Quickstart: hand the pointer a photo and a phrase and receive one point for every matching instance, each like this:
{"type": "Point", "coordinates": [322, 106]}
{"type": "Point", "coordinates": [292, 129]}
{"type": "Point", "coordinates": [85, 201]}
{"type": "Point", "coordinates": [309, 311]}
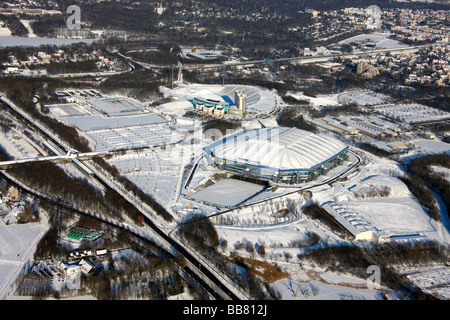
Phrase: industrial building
{"type": "Point", "coordinates": [359, 227]}
{"type": "Point", "coordinates": [280, 155]}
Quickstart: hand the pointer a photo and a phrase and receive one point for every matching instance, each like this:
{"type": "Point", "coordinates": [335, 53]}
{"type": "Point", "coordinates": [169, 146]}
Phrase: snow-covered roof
{"type": "Point", "coordinates": [277, 148]}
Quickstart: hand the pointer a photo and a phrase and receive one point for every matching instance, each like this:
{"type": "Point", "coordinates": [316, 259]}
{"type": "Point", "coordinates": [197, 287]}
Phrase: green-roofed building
{"type": "Point", "coordinates": [82, 233]}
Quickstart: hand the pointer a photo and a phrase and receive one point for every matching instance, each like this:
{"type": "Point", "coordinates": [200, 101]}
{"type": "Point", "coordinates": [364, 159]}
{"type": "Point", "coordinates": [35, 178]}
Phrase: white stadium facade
{"type": "Point", "coordinates": [280, 155]}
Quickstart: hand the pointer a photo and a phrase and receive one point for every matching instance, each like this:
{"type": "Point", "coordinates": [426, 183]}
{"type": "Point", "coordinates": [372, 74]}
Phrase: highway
{"type": "Point", "coordinates": [217, 282]}
{"type": "Point", "coordinates": [58, 158]}
{"type": "Point", "coordinates": [306, 59]}
{"type": "Point", "coordinates": [117, 227]}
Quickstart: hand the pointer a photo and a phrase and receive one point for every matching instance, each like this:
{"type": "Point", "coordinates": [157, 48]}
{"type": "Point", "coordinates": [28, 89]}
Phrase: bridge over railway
{"type": "Point", "coordinates": [72, 155]}
{"type": "Point", "coordinates": [218, 283]}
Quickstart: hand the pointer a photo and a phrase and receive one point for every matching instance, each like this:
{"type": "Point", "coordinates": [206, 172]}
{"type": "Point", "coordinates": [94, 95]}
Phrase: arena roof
{"type": "Point", "coordinates": [280, 148]}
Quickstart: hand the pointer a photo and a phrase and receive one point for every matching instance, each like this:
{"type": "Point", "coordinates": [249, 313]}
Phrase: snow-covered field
{"type": "Point", "coordinates": [17, 245]}
{"type": "Point", "coordinates": [394, 216]}
{"type": "Point", "coordinates": [5, 32]}
{"type": "Point", "coordinates": [431, 146]}
{"type": "Point", "coordinates": [362, 98]}
{"type": "Point", "coordinates": [177, 108]}
{"type": "Point", "coordinates": [426, 147]}
{"type": "Point", "coordinates": [318, 284]}
{"type": "Point", "coordinates": [317, 101]}
{"type": "Point", "coordinates": [433, 279]}
{"type": "Point", "coordinates": [157, 173]}
{"type": "Point", "coordinates": [67, 110]}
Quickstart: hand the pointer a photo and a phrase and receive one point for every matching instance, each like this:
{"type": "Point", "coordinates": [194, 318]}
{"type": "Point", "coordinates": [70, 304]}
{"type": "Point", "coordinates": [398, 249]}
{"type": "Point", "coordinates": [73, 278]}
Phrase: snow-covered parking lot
{"type": "Point", "coordinates": [227, 192]}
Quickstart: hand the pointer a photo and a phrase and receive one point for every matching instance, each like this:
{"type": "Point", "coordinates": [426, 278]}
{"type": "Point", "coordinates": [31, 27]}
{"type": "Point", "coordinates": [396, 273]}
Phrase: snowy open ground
{"type": "Point", "coordinates": [425, 147]}
{"type": "Point", "coordinates": [5, 32]}
{"type": "Point", "coordinates": [63, 110]}
{"type": "Point", "coordinates": [157, 172]}
{"type": "Point", "coordinates": [431, 146]}
{"type": "Point", "coordinates": [430, 279]}
{"type": "Point", "coordinates": [318, 100]}
{"type": "Point", "coordinates": [364, 98]}
{"type": "Point", "coordinates": [227, 192]}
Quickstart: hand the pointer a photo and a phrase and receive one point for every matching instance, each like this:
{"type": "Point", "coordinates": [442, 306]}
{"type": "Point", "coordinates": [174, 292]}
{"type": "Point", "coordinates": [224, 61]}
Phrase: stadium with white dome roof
{"type": "Point", "coordinates": [280, 155]}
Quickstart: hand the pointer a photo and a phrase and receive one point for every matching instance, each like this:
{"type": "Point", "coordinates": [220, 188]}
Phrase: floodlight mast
{"type": "Point", "coordinates": [172, 75]}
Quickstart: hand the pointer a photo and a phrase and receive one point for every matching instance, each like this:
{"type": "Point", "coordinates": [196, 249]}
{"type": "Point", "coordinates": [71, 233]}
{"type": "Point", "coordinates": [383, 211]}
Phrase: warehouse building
{"type": "Point", "coordinates": [281, 155]}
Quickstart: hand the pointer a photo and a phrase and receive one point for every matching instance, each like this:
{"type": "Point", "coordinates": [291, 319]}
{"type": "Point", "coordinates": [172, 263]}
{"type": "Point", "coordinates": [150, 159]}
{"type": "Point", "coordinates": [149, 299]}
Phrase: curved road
{"type": "Point", "coordinates": [201, 269]}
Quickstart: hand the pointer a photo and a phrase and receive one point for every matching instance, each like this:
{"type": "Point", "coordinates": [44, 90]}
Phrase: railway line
{"type": "Point", "coordinates": [196, 264]}
{"type": "Point", "coordinates": [214, 280]}
{"type": "Point", "coordinates": [144, 242]}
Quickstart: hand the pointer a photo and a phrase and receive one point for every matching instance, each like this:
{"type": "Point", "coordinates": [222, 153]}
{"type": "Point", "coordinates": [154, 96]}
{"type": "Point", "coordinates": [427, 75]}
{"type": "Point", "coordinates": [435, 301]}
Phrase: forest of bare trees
{"type": "Point", "coordinates": [21, 91]}
{"type": "Point", "coordinates": [289, 117]}
{"type": "Point", "coordinates": [356, 260]}
{"type": "Point", "coordinates": [423, 182]}
{"type": "Point", "coordinates": [201, 234]}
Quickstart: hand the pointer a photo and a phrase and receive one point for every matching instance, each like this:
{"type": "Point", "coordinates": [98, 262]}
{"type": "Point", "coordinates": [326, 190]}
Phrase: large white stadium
{"type": "Point", "coordinates": [279, 155]}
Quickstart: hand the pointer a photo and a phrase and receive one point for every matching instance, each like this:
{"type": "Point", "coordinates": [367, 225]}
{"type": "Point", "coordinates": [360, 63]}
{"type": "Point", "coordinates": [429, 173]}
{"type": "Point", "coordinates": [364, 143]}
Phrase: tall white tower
{"type": "Point", "coordinates": [240, 100]}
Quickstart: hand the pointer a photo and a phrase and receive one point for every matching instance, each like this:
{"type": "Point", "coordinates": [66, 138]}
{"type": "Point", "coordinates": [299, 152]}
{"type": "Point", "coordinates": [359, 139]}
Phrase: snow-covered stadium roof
{"type": "Point", "coordinates": [277, 148]}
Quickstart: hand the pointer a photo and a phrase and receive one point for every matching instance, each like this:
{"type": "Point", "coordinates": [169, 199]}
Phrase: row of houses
{"type": "Point", "coordinates": [78, 263]}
